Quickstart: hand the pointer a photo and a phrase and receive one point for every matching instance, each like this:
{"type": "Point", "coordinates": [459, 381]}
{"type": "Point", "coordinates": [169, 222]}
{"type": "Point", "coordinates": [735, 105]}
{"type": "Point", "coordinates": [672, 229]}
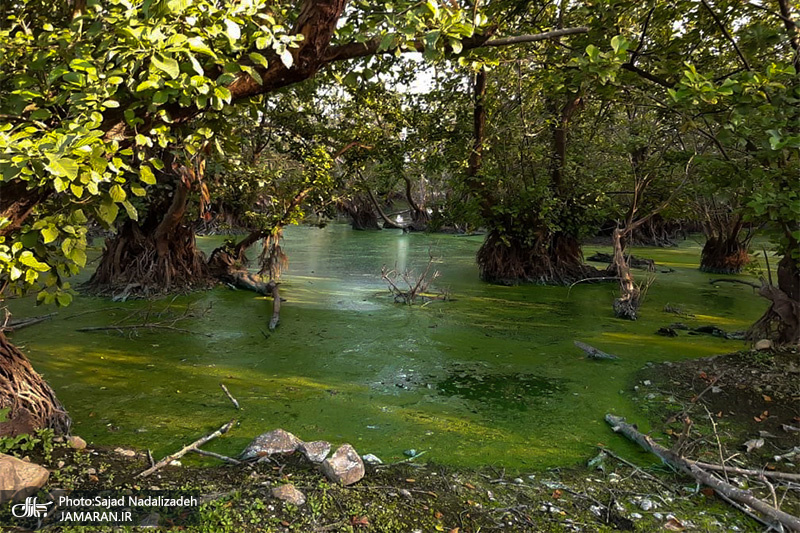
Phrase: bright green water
{"type": "Point", "coordinates": [490, 378]}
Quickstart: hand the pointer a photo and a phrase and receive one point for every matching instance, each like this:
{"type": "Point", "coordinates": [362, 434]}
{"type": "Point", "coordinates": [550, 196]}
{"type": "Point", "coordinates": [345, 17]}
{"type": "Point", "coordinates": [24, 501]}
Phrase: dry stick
{"type": "Point", "coordinates": [276, 308]}
{"type": "Point", "coordinates": [229, 395]}
{"type": "Point", "coordinates": [619, 425]}
{"type": "Point", "coordinates": [186, 449]}
{"type": "Point", "coordinates": [221, 457]}
{"type": "Point", "coordinates": [139, 326]}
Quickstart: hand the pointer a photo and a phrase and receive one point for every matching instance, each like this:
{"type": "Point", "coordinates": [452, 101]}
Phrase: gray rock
{"type": "Point", "coordinates": [372, 460]}
{"type": "Point", "coordinates": [646, 505]}
{"type": "Point", "coordinates": [289, 494]}
{"type": "Point", "coordinates": [19, 479]}
{"type": "Point", "coordinates": [763, 344]}
{"type": "Point", "coordinates": [76, 442]}
{"type": "Point", "coordinates": [270, 443]}
{"type": "Point", "coordinates": [344, 466]}
{"type": "Point", "coordinates": [315, 451]}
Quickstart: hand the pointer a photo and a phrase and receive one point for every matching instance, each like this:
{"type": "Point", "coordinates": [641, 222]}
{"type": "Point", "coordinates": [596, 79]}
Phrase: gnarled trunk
{"type": "Point", "coordinates": [725, 250]}
{"type": "Point", "coordinates": [155, 257]}
{"type": "Point", "coordinates": [627, 304]}
{"type": "Point", "coordinates": [31, 402]}
{"type": "Point", "coordinates": [553, 258]}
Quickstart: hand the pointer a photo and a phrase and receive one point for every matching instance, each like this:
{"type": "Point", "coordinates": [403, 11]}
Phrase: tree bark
{"type": "Point", "coordinates": [31, 402]}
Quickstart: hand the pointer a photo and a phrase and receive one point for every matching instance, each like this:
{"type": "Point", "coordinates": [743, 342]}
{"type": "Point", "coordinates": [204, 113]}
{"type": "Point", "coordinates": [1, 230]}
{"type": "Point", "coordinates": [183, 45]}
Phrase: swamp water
{"type": "Point", "coordinates": [491, 377]}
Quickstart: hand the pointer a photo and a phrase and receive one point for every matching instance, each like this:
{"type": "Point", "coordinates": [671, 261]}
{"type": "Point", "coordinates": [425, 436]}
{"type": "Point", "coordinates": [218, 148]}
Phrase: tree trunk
{"type": "Point", "coordinates": [725, 250]}
{"type": "Point", "coordinates": [627, 305]}
{"type": "Point", "coordinates": [31, 402]}
{"type": "Point", "coordinates": [155, 257]}
{"type": "Point", "coordinates": [553, 258]}
{"type": "Point", "coordinates": [362, 215]}
{"type": "Point", "coordinates": [781, 322]}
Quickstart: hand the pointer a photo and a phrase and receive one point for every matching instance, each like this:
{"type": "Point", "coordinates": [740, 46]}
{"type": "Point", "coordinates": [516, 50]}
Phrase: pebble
{"type": "Point", "coordinates": [647, 383]}
{"type": "Point", "coordinates": [646, 505]}
{"type": "Point", "coordinates": [636, 516]}
{"type": "Point", "coordinates": [518, 481]}
{"type": "Point", "coordinates": [658, 516]}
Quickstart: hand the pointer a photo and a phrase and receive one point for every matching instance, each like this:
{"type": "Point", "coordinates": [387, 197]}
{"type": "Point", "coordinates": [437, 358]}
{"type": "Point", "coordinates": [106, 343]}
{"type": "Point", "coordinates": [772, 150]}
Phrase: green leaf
{"type": "Point", "coordinates": [146, 175]}
{"type": "Point", "coordinates": [138, 191]}
{"type": "Point", "coordinates": [167, 64]}
{"type": "Point", "coordinates": [63, 299]}
{"type": "Point", "coordinates": [232, 30]}
{"type": "Point", "coordinates": [49, 234]}
{"type": "Point", "coordinates": [132, 213]}
{"type": "Point", "coordinates": [108, 212]}
{"type": "Point", "coordinates": [62, 166]}
{"type": "Point", "coordinates": [196, 44]}
{"type": "Point", "coordinates": [223, 94]}
{"type": "Point", "coordinates": [287, 59]}
{"type": "Point", "coordinates": [27, 259]}
{"type": "Point", "coordinates": [258, 59]}
{"type": "Point", "coordinates": [78, 256]}
{"type": "Point", "coordinates": [117, 193]}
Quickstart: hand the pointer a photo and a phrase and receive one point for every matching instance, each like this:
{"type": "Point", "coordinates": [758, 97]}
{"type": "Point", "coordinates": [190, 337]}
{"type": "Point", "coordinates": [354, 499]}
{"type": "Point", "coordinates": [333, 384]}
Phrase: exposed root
{"type": "Point", "coordinates": [554, 259]}
{"type": "Point", "coordinates": [31, 402]}
{"type": "Point", "coordinates": [132, 264]}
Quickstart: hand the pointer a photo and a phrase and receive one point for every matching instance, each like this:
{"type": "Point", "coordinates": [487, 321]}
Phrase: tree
{"type": "Point", "coordinates": [109, 105]}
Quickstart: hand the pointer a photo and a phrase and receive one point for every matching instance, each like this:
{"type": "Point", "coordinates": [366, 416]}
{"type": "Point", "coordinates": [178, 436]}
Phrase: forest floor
{"type": "Point", "coordinates": [729, 400]}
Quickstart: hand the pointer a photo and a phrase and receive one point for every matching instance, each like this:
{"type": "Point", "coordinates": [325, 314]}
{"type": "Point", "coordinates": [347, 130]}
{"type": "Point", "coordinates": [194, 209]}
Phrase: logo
{"type": "Point", "coordinates": [30, 509]}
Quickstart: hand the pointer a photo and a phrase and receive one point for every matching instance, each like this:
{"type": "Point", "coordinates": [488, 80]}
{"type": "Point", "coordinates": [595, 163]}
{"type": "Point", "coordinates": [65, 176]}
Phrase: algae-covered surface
{"type": "Point", "coordinates": [490, 377]}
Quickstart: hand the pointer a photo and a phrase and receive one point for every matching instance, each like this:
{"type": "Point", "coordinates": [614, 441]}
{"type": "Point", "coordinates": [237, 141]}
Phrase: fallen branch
{"type": "Point", "coordinates": [16, 325]}
{"type": "Point", "coordinates": [636, 468]}
{"type": "Point", "coordinates": [594, 353]}
{"type": "Point", "coordinates": [186, 449]}
{"type": "Point", "coordinates": [221, 457]}
{"type": "Point", "coordinates": [229, 395]}
{"type": "Point", "coordinates": [680, 464]}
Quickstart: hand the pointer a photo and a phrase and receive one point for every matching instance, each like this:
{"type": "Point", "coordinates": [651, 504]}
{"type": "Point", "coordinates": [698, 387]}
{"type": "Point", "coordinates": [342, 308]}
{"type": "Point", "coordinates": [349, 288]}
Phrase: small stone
{"type": "Point", "coordinates": [61, 464]}
{"type": "Point", "coordinates": [344, 466]}
{"type": "Point", "coordinates": [125, 453]}
{"type": "Point", "coordinates": [636, 516]}
{"type": "Point", "coordinates": [763, 344]}
{"type": "Point", "coordinates": [272, 442]}
{"type": "Point", "coordinates": [150, 520]}
{"type": "Point", "coordinates": [175, 463]}
{"type": "Point", "coordinates": [76, 442]}
{"type": "Point", "coordinates": [91, 471]}
{"type": "Point", "coordinates": [289, 494]}
{"type": "Point", "coordinates": [410, 453]}
{"type": "Point", "coordinates": [646, 505]}
{"type": "Point", "coordinates": [19, 479]}
{"type": "Point", "coordinates": [518, 481]}
{"type": "Point", "coordinates": [647, 383]}
{"type": "Point", "coordinates": [316, 451]}
{"type": "Point", "coordinates": [372, 460]}
{"type": "Point", "coordinates": [658, 516]}
{"type": "Point", "coordinates": [404, 493]}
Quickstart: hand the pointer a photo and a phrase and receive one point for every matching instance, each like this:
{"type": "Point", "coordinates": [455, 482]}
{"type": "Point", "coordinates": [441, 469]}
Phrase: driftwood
{"type": "Point", "coordinates": [229, 395]}
{"type": "Point", "coordinates": [186, 449]}
{"type": "Point", "coordinates": [724, 489]}
{"type": "Point", "coordinates": [746, 471]}
{"type": "Point", "coordinates": [594, 353]}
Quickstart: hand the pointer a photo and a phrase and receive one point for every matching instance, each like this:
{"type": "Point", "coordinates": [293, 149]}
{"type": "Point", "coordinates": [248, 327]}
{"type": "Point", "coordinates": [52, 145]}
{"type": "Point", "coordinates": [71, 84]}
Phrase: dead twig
{"type": "Point", "coordinates": [221, 457]}
{"type": "Point", "coordinates": [229, 395]}
{"type": "Point", "coordinates": [186, 449]}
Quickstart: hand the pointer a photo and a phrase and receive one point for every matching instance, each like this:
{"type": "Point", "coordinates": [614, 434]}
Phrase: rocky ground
{"type": "Point", "coordinates": [702, 408]}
